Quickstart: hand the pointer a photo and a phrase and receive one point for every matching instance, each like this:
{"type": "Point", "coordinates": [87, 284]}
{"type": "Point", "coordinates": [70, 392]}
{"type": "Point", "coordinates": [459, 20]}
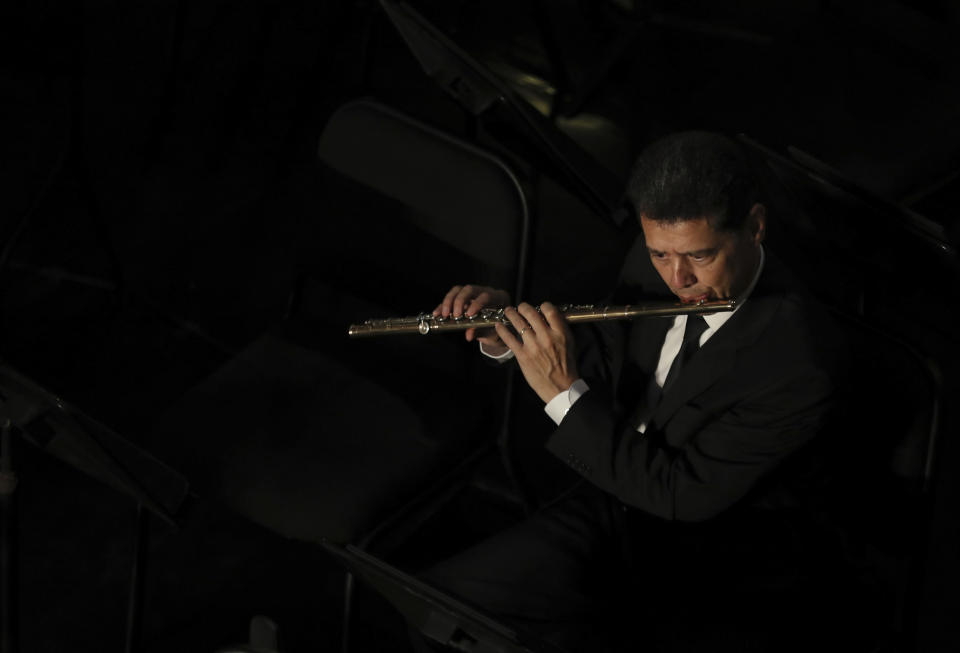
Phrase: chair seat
{"type": "Point", "coordinates": [293, 439]}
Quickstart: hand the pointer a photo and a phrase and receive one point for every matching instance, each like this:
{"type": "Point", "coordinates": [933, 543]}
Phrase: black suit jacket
{"type": "Point", "coordinates": [752, 396]}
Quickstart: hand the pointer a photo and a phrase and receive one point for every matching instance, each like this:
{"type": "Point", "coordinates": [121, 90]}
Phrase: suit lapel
{"type": "Point", "coordinates": [703, 370]}
{"type": "Point", "coordinates": [644, 341]}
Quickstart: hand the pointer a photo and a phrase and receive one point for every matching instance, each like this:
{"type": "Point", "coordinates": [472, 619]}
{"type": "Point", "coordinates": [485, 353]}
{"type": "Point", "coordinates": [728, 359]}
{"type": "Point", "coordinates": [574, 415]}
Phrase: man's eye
{"type": "Point", "coordinates": [658, 255]}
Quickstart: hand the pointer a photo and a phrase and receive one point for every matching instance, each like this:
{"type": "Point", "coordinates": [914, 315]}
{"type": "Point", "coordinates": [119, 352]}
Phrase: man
{"type": "Point", "coordinates": [687, 429]}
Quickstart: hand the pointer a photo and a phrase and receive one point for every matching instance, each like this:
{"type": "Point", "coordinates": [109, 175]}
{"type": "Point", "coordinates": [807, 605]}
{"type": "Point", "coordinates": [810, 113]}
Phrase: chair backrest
{"type": "Point", "coordinates": [407, 212]}
{"type": "Point", "coordinates": [894, 394]}
{"type": "Point", "coordinates": [868, 250]}
{"type": "Point", "coordinates": [886, 444]}
{"type": "Point", "coordinates": [438, 199]}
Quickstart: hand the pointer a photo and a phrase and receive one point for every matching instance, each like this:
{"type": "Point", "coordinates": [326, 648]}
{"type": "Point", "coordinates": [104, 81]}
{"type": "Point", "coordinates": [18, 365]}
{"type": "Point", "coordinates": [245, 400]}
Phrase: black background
{"type": "Point", "coordinates": [158, 161]}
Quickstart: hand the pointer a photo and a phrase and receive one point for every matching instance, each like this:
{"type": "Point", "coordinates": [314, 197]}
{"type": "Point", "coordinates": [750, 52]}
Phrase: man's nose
{"type": "Point", "coordinates": [683, 276]}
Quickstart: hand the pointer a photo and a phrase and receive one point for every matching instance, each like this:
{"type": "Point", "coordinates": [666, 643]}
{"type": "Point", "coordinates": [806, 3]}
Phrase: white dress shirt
{"type": "Point", "coordinates": [558, 407]}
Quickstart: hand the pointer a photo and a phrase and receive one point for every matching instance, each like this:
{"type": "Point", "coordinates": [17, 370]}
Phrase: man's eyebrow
{"type": "Point", "coordinates": [700, 252]}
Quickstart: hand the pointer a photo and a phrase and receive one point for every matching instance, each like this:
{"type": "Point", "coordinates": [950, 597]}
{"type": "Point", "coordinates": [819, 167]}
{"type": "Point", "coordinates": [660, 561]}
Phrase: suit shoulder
{"type": "Point", "coordinates": [801, 337]}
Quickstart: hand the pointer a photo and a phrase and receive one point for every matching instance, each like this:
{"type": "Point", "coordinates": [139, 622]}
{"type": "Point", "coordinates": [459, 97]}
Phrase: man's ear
{"type": "Point", "coordinates": [757, 222]}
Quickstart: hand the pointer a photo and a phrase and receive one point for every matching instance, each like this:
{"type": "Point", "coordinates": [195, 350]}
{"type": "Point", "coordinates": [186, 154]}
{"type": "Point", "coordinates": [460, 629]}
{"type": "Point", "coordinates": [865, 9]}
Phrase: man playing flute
{"type": "Point", "coordinates": [689, 432]}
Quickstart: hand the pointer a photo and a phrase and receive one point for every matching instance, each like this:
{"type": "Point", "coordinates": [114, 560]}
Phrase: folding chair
{"type": "Point", "coordinates": [317, 437]}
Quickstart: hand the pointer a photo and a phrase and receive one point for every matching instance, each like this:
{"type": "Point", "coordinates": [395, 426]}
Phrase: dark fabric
{"type": "Point", "coordinates": [549, 574]}
{"type": "Point", "coordinates": [693, 329]}
{"type": "Point", "coordinates": [756, 393]}
{"type": "Point", "coordinates": [589, 575]}
{"type": "Point", "coordinates": [690, 561]}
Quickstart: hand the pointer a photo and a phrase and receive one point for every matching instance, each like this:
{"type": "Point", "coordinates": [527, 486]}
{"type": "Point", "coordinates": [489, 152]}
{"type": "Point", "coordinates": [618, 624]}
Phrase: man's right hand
{"type": "Point", "coordinates": [468, 300]}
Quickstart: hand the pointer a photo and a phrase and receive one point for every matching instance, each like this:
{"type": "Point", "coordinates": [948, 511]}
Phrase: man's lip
{"type": "Point", "coordinates": [694, 299]}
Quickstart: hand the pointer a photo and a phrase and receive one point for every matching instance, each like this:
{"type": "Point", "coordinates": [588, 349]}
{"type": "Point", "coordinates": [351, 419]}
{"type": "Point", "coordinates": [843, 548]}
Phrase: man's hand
{"type": "Point", "coordinates": [468, 300]}
{"type": "Point", "coordinates": [543, 346]}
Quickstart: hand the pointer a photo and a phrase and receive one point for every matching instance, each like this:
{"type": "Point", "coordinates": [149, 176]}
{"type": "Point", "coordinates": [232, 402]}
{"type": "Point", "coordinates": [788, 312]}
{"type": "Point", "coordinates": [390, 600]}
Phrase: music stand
{"type": "Point", "coordinates": [478, 90]}
{"type": "Point", "coordinates": [436, 614]}
{"type": "Point", "coordinates": [61, 430]}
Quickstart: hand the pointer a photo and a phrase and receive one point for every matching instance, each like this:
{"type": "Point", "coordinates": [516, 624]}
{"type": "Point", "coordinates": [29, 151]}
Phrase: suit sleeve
{"type": "Point", "coordinates": [726, 455]}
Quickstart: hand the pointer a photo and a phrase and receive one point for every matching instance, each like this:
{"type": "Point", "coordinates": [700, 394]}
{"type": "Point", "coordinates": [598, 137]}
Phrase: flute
{"type": "Point", "coordinates": [426, 323]}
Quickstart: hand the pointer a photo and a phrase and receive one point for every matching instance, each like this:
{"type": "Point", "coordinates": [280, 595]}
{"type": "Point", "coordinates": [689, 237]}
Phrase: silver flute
{"type": "Point", "coordinates": [426, 323]}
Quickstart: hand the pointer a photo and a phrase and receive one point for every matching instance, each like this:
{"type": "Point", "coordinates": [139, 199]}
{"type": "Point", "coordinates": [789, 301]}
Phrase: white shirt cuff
{"type": "Point", "coordinates": [558, 407]}
{"type": "Point", "coordinates": [502, 358]}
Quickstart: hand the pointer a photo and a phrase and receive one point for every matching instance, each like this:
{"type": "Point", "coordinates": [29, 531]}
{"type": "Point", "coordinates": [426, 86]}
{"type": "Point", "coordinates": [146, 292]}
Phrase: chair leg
{"type": "Point", "coordinates": [347, 610]}
{"type": "Point", "coordinates": [505, 446]}
{"type": "Point", "coordinates": [141, 549]}
{"type": "Point", "coordinates": [264, 635]}
{"type": "Point", "coordinates": [264, 638]}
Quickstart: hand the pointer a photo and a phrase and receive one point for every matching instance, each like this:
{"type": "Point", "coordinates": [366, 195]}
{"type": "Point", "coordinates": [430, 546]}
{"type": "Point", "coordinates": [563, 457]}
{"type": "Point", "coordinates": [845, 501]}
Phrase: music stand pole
{"type": "Point", "coordinates": [8, 542]}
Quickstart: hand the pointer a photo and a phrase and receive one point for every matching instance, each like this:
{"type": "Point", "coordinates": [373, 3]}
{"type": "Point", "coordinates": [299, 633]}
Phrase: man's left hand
{"type": "Point", "coordinates": [543, 346]}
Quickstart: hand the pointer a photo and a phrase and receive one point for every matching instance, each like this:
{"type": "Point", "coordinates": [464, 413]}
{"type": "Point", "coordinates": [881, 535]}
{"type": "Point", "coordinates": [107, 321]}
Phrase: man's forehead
{"type": "Point", "coordinates": [681, 235]}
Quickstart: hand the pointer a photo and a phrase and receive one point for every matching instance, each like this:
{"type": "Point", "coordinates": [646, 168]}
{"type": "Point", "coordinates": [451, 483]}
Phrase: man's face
{"type": "Point", "coordinates": [698, 262]}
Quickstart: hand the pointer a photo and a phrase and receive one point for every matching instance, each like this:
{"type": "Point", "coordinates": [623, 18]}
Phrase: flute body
{"type": "Point", "coordinates": [426, 323]}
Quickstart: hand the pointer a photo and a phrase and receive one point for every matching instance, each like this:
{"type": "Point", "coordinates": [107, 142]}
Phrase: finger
{"type": "Point", "coordinates": [438, 311]}
{"type": "Point", "coordinates": [478, 302]}
{"type": "Point", "coordinates": [516, 320]}
{"type": "Point", "coordinates": [506, 335]}
{"type": "Point", "coordinates": [447, 305]}
{"type": "Point", "coordinates": [533, 317]}
{"type": "Point", "coordinates": [554, 317]}
{"type": "Point", "coordinates": [464, 296]}
{"type": "Point", "coordinates": [470, 334]}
